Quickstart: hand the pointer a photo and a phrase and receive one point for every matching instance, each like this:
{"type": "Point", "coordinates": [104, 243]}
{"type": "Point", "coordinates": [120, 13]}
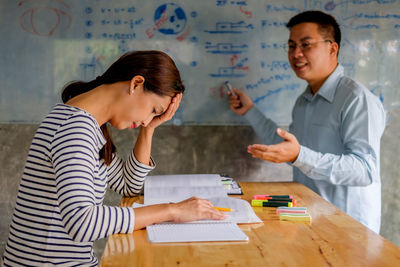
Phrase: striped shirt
{"type": "Point", "coordinates": [59, 211]}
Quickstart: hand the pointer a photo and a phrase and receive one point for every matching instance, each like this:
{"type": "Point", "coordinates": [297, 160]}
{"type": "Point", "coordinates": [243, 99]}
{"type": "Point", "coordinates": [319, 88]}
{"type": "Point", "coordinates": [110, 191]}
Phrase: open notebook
{"type": "Point", "coordinates": [175, 188]}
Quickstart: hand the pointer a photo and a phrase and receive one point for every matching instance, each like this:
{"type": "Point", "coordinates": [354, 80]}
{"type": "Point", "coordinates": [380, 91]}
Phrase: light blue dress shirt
{"type": "Point", "coordinates": [339, 130]}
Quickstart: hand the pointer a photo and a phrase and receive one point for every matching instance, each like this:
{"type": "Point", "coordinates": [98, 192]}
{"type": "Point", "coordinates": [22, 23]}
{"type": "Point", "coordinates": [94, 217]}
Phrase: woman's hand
{"type": "Point", "coordinates": [194, 209]}
{"type": "Point", "coordinates": [168, 114]}
{"type": "Point", "coordinates": [191, 209]}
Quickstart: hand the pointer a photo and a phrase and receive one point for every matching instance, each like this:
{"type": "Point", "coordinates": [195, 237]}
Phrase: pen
{"type": "Point", "coordinates": [223, 209]}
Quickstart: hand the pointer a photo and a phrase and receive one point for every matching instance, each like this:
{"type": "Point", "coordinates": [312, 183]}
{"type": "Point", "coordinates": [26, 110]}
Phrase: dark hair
{"type": "Point", "coordinates": [327, 24]}
{"type": "Point", "coordinates": [158, 69]}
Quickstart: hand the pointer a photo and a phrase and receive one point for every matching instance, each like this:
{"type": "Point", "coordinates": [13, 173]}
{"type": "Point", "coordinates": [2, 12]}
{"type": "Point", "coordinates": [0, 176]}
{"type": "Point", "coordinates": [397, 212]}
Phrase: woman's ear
{"type": "Point", "coordinates": [138, 80]}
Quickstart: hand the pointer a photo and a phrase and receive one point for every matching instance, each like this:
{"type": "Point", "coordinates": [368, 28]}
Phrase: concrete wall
{"type": "Point", "coordinates": [196, 149]}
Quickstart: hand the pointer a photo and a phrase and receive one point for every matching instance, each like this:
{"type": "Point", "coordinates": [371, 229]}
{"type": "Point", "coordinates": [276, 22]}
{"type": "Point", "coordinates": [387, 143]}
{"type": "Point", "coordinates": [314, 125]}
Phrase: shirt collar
{"type": "Point", "coordinates": [328, 89]}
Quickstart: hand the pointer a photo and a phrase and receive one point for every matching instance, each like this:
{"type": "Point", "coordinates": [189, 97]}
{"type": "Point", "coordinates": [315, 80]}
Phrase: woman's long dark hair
{"type": "Point", "coordinates": [158, 69]}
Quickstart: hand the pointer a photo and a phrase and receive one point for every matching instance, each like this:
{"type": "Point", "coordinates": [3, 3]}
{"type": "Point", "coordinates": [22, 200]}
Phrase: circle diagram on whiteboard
{"type": "Point", "coordinates": [170, 18]}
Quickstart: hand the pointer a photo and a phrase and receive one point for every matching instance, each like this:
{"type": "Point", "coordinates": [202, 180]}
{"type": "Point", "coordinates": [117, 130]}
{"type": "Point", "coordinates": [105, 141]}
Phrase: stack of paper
{"type": "Point", "coordinates": [293, 214]}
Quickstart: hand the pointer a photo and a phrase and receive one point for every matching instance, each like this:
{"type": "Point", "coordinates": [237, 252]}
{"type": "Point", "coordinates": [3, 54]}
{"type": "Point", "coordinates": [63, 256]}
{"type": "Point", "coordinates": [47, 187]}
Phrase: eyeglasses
{"type": "Point", "coordinates": [303, 46]}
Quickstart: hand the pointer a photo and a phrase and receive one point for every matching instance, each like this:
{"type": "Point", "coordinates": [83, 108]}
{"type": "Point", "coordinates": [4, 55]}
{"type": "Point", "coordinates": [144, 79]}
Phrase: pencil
{"type": "Point", "coordinates": [223, 209]}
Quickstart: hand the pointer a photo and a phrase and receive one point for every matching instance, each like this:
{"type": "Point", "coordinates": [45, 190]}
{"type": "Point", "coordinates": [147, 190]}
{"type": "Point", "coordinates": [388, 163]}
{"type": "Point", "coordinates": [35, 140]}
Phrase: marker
{"type": "Point", "coordinates": [229, 87]}
{"type": "Point", "coordinates": [223, 209]}
{"type": "Point", "coordinates": [276, 199]}
{"type": "Point", "coordinates": [273, 200]}
{"type": "Point", "coordinates": [283, 200]}
{"type": "Point", "coordinates": [272, 196]}
{"type": "Point", "coordinates": [266, 203]}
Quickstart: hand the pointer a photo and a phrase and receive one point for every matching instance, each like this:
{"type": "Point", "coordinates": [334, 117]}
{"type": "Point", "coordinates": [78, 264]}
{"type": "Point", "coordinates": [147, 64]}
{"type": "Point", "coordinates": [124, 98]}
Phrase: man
{"type": "Point", "coordinates": [337, 124]}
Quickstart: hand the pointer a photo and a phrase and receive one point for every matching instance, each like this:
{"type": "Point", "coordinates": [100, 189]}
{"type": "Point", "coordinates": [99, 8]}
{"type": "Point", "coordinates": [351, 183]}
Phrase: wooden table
{"type": "Point", "coordinates": [332, 239]}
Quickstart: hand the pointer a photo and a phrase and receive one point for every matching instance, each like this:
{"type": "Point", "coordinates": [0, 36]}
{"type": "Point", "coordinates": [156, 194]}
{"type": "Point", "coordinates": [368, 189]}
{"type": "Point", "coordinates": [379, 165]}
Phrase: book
{"type": "Point", "coordinates": [195, 232]}
{"type": "Point", "coordinates": [175, 188]}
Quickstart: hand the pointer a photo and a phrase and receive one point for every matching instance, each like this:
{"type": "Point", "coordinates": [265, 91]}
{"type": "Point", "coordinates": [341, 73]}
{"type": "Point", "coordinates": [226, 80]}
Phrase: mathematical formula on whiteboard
{"type": "Point", "coordinates": [47, 43]}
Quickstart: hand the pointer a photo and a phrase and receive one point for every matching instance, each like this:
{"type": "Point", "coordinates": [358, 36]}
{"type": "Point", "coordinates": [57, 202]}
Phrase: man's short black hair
{"type": "Point", "coordinates": [327, 24]}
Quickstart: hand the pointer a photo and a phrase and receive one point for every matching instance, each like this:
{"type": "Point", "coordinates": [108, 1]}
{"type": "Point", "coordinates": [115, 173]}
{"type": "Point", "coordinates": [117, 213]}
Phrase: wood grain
{"type": "Point", "coordinates": [332, 239]}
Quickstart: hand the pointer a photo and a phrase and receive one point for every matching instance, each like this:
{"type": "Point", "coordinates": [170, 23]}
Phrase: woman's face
{"type": "Point", "coordinates": [139, 108]}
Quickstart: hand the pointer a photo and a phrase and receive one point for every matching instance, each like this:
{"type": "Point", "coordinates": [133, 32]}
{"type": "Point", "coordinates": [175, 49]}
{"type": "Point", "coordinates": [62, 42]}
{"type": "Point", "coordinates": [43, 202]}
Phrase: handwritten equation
{"type": "Point", "coordinates": [211, 41]}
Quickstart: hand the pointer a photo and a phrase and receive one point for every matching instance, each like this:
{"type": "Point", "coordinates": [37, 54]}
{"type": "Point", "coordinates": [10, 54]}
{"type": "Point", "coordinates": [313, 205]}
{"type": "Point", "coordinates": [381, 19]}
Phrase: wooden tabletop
{"type": "Point", "coordinates": [332, 239]}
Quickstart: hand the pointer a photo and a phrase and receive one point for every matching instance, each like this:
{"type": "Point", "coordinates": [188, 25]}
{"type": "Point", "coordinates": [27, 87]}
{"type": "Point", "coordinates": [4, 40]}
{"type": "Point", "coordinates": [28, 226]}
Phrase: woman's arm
{"type": "Point", "coordinates": [142, 147]}
{"type": "Point", "coordinates": [126, 178]}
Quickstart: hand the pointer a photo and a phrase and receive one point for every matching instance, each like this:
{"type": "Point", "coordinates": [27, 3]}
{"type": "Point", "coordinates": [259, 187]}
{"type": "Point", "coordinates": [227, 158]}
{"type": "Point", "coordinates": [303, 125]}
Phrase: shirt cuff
{"type": "Point", "coordinates": [131, 220]}
{"type": "Point", "coordinates": [305, 161]}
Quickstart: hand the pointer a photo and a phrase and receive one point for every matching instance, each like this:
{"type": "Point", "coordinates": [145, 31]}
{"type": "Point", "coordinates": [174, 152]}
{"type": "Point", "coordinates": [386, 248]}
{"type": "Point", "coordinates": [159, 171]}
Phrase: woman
{"type": "Point", "coordinates": [71, 161]}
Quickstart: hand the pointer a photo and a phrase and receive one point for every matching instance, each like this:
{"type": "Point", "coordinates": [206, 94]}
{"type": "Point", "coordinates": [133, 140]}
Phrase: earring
{"type": "Point", "coordinates": [132, 91]}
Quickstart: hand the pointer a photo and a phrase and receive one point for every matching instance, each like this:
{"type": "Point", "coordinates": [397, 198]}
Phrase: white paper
{"type": "Point", "coordinates": [242, 211]}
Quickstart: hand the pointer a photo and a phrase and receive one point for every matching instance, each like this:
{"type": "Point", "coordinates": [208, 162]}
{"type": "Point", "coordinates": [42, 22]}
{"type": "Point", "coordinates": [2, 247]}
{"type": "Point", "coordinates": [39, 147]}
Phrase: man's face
{"type": "Point", "coordinates": [311, 56]}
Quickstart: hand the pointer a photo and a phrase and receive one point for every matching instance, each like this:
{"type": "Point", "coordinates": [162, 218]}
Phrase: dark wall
{"type": "Point", "coordinates": [197, 149]}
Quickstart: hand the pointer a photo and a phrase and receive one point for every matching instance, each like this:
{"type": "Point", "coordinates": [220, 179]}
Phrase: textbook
{"type": "Point", "coordinates": [175, 188]}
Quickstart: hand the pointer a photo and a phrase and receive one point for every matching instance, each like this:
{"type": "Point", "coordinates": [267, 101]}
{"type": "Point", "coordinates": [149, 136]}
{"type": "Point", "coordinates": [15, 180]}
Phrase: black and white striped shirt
{"type": "Point", "coordinates": [59, 211]}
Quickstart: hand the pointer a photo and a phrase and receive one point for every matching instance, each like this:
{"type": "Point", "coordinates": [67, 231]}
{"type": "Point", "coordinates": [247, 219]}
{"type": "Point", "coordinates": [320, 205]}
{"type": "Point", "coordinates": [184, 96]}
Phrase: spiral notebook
{"type": "Point", "coordinates": [195, 232]}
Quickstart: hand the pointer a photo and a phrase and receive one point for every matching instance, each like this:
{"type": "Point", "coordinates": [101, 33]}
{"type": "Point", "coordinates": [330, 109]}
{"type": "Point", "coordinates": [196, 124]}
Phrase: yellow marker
{"type": "Point", "coordinates": [266, 203]}
{"type": "Point", "coordinates": [223, 209]}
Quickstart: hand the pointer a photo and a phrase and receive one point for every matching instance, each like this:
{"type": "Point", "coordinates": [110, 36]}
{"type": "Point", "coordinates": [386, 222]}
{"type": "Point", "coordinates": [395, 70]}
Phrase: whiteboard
{"type": "Point", "coordinates": [47, 43]}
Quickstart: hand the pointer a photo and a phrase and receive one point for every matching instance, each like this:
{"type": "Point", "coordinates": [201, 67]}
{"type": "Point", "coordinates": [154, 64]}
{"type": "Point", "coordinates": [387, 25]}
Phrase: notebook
{"type": "Point", "coordinates": [195, 232]}
{"type": "Point", "coordinates": [175, 188]}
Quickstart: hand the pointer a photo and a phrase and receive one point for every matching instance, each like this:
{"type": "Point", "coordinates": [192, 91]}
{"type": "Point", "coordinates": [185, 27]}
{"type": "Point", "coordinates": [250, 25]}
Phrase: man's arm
{"type": "Point", "coordinates": [361, 129]}
{"type": "Point", "coordinates": [241, 104]}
